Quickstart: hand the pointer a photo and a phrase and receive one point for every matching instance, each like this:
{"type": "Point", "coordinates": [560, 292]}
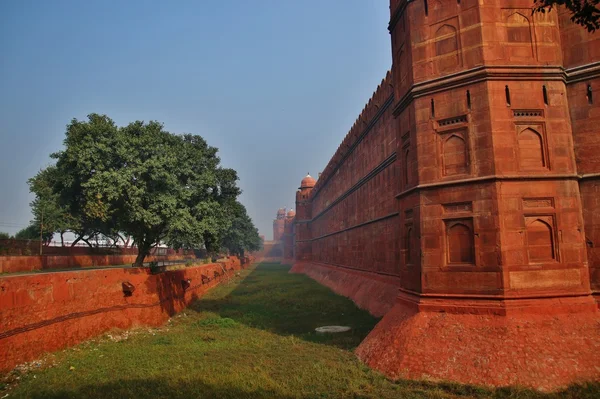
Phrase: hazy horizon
{"type": "Point", "coordinates": [275, 85]}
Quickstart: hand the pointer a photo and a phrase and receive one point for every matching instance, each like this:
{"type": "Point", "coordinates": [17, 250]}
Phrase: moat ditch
{"type": "Point", "coordinates": [252, 337]}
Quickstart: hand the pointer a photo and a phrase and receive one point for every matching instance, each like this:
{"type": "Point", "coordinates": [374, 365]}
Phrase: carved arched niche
{"type": "Point", "coordinates": [518, 34]}
{"type": "Point", "coordinates": [532, 154]}
{"type": "Point", "coordinates": [454, 154]}
{"type": "Point", "coordinates": [540, 239]}
{"type": "Point", "coordinates": [446, 47]}
{"type": "Point", "coordinates": [460, 245]}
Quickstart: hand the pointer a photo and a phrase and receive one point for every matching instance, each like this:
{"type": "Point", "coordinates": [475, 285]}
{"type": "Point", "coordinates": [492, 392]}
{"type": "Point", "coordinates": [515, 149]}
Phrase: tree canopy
{"type": "Point", "coordinates": [141, 181]}
{"type": "Point", "coordinates": [32, 232]}
{"type": "Point", "coordinates": [48, 214]}
{"type": "Point", "coordinates": [4, 236]}
{"type": "Point", "coordinates": [241, 236]}
{"type": "Point", "coordinates": [583, 12]}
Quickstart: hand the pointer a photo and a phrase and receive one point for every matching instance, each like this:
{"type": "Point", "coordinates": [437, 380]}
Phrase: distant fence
{"type": "Point", "coordinates": [14, 247]}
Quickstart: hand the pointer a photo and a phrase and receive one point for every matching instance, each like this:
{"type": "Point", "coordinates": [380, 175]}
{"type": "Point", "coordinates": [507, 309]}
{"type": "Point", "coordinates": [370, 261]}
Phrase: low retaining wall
{"type": "Point", "coordinates": [46, 312]}
{"type": "Point", "coordinates": [14, 264]}
{"type": "Point", "coordinates": [373, 292]}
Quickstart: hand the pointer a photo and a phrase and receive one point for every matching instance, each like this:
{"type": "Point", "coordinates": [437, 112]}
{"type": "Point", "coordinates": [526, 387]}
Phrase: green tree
{"type": "Point", "coordinates": [144, 182]}
{"type": "Point", "coordinates": [241, 235]}
{"type": "Point", "coordinates": [583, 12]}
{"type": "Point", "coordinates": [46, 207]}
{"type": "Point", "coordinates": [4, 236]}
{"type": "Point", "coordinates": [32, 232]}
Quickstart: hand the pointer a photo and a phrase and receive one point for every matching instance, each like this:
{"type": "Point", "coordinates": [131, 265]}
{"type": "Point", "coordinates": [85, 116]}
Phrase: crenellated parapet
{"type": "Point", "coordinates": [381, 95]}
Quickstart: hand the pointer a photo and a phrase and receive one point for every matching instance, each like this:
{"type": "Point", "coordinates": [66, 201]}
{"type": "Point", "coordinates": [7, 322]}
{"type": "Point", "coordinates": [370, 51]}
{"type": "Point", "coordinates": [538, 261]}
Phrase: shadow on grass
{"type": "Point", "coordinates": [271, 299]}
{"type": "Point", "coordinates": [197, 388]}
{"type": "Point", "coordinates": [157, 388]}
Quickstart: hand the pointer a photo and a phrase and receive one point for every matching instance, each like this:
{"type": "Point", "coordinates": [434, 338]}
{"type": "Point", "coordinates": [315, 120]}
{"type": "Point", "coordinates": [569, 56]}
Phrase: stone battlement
{"type": "Point", "coordinates": [383, 93]}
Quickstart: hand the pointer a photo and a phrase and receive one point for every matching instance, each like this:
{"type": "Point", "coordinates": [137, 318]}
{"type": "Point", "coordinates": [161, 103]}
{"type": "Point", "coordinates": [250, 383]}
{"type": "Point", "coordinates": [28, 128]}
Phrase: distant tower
{"type": "Point", "coordinates": [288, 237]}
{"type": "Point", "coordinates": [278, 225]}
{"type": "Point", "coordinates": [303, 249]}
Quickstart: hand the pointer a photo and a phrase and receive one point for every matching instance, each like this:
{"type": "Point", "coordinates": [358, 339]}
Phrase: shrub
{"type": "Point", "coordinates": [189, 263]}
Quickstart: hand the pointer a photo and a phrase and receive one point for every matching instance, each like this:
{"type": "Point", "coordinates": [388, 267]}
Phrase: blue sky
{"type": "Point", "coordinates": [274, 84]}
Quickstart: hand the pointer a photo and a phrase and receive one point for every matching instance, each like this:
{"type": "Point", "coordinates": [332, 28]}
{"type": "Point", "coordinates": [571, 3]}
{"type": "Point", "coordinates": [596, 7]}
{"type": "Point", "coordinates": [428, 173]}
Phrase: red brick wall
{"type": "Point", "coordinates": [13, 264]}
{"type": "Point", "coordinates": [352, 219]}
{"type": "Point", "coordinates": [46, 312]}
{"type": "Point", "coordinates": [288, 240]}
{"type": "Point", "coordinates": [278, 226]}
{"type": "Point", "coordinates": [460, 176]}
{"type": "Point", "coordinates": [582, 62]}
{"type": "Point", "coordinates": [492, 198]}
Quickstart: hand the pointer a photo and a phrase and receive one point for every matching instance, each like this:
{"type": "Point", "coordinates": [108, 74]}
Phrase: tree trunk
{"type": "Point", "coordinates": [62, 239]}
{"type": "Point", "coordinates": [139, 260]}
{"type": "Point", "coordinates": [143, 251]}
{"type": "Point", "coordinates": [119, 236]}
{"type": "Point", "coordinates": [76, 241]}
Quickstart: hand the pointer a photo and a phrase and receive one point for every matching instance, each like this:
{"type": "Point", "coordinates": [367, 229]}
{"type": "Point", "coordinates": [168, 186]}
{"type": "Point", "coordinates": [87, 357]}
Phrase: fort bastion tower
{"type": "Point", "coordinates": [303, 242]}
{"type": "Point", "coordinates": [288, 237]}
{"type": "Point", "coordinates": [278, 225]}
{"type": "Point", "coordinates": [464, 204]}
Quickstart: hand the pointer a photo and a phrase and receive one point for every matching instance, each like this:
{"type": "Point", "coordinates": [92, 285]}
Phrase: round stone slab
{"type": "Point", "coordinates": [332, 329]}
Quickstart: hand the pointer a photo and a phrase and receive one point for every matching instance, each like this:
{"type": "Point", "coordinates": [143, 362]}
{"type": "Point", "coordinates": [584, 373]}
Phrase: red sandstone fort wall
{"type": "Point", "coordinates": [353, 220]}
{"type": "Point", "coordinates": [473, 190]}
{"type": "Point", "coordinates": [475, 163]}
{"type": "Point", "coordinates": [46, 312]}
{"type": "Point", "coordinates": [582, 62]}
{"type": "Point", "coordinates": [288, 240]}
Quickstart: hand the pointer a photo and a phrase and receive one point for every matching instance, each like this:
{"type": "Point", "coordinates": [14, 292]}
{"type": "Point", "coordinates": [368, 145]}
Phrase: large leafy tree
{"type": "Point", "coordinates": [4, 236]}
{"type": "Point", "coordinates": [583, 12]}
{"type": "Point", "coordinates": [145, 182]}
{"type": "Point", "coordinates": [241, 235]}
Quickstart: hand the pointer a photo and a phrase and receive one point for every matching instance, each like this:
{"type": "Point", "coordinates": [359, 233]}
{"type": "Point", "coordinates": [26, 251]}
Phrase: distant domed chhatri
{"type": "Point", "coordinates": [291, 213]}
{"type": "Point", "coordinates": [281, 212]}
{"type": "Point", "coordinates": [308, 182]}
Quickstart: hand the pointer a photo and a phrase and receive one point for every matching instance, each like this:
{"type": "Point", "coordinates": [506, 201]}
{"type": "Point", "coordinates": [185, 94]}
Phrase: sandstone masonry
{"type": "Point", "coordinates": [470, 185]}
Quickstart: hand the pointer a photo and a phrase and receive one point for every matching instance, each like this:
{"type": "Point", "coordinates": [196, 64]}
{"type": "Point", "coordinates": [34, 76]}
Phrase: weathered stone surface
{"type": "Point", "coordinates": [46, 312]}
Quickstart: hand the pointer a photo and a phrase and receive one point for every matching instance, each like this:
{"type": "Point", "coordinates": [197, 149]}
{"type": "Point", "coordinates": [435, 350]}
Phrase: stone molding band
{"type": "Point", "coordinates": [352, 227]}
{"type": "Point", "coordinates": [355, 269]}
{"type": "Point", "coordinates": [487, 179]}
{"type": "Point", "coordinates": [496, 297]}
{"type": "Point", "coordinates": [503, 73]}
{"type": "Point", "coordinates": [372, 122]}
{"type": "Point", "coordinates": [590, 176]}
{"type": "Point", "coordinates": [374, 172]}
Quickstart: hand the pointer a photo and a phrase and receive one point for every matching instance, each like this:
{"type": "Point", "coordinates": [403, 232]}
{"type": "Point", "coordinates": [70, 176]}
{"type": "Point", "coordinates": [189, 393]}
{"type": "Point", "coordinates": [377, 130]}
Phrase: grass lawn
{"type": "Point", "coordinates": [250, 338]}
